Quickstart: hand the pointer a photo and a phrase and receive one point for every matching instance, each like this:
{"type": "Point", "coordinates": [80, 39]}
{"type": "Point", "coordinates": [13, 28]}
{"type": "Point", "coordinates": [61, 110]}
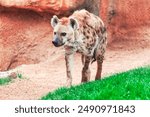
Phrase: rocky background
{"type": "Point", "coordinates": [26, 34]}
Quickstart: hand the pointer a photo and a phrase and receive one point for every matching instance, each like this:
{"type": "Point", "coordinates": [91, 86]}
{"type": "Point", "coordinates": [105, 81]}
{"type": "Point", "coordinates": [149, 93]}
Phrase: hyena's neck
{"type": "Point", "coordinates": [75, 43]}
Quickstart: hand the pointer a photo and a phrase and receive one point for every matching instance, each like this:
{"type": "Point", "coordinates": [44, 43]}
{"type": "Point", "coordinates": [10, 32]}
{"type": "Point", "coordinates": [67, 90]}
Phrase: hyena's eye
{"type": "Point", "coordinates": [63, 34]}
{"type": "Point", "coordinates": [54, 33]}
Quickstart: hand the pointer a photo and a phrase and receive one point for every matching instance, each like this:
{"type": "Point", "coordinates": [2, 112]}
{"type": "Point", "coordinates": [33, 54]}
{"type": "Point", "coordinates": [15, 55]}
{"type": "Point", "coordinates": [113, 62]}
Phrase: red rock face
{"type": "Point", "coordinates": [128, 14]}
{"type": "Point", "coordinates": [52, 6]}
{"type": "Point", "coordinates": [25, 36]}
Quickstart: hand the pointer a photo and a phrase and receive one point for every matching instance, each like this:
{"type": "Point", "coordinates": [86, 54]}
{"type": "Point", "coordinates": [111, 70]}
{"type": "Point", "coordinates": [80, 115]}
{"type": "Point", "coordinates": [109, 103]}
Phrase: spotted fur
{"type": "Point", "coordinates": [85, 33]}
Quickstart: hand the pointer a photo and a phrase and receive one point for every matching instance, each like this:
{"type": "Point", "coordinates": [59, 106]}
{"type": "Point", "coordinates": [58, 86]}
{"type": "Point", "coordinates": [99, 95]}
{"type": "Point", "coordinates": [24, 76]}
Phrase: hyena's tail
{"type": "Point", "coordinates": [94, 57]}
{"type": "Point", "coordinates": [83, 59]}
{"type": "Point", "coordinates": [104, 38]}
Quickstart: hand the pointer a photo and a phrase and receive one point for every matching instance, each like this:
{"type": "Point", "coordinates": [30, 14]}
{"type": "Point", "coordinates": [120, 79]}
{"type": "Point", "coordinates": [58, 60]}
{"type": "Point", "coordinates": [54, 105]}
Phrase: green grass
{"type": "Point", "coordinates": [20, 76]}
{"type": "Point", "coordinates": [4, 81]}
{"type": "Point", "coordinates": [130, 85]}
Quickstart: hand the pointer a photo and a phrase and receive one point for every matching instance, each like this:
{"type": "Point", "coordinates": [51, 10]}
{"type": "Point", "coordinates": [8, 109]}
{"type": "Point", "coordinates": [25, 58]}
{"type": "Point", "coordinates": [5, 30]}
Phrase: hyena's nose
{"type": "Point", "coordinates": [55, 43]}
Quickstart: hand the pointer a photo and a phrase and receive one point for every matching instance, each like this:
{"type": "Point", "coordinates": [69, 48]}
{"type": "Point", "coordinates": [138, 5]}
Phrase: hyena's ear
{"type": "Point", "coordinates": [54, 21]}
{"type": "Point", "coordinates": [74, 23]}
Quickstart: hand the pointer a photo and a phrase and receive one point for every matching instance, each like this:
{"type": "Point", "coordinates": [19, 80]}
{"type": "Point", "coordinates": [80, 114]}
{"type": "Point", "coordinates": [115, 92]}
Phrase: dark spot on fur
{"type": "Point", "coordinates": [100, 58]}
{"type": "Point", "coordinates": [92, 44]}
{"type": "Point", "coordinates": [88, 45]}
{"type": "Point", "coordinates": [93, 40]}
{"type": "Point", "coordinates": [84, 26]}
{"type": "Point", "coordinates": [89, 26]}
{"type": "Point", "coordinates": [87, 37]}
{"type": "Point", "coordinates": [88, 31]}
{"type": "Point", "coordinates": [94, 34]}
{"type": "Point", "coordinates": [83, 33]}
{"type": "Point", "coordinates": [102, 41]}
{"type": "Point", "coordinates": [90, 48]}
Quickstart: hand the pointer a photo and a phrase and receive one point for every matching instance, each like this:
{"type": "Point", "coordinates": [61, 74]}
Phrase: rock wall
{"type": "Point", "coordinates": [25, 35]}
{"type": "Point", "coordinates": [25, 38]}
{"type": "Point", "coordinates": [52, 6]}
{"type": "Point", "coordinates": [128, 14]}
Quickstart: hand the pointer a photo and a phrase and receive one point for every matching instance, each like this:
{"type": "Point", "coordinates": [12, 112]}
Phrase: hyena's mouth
{"type": "Point", "coordinates": [57, 44]}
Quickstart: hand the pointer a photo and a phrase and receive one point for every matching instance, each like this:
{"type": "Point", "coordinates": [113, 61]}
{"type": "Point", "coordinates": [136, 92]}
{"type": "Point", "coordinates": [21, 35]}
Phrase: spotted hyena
{"type": "Point", "coordinates": [82, 32]}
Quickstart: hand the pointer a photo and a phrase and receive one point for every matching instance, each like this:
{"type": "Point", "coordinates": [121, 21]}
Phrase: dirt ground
{"type": "Point", "coordinates": [47, 76]}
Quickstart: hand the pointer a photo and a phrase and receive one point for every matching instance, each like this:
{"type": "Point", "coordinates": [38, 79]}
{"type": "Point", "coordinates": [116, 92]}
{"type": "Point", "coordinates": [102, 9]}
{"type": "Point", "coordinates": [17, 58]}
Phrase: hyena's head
{"type": "Point", "coordinates": [63, 30]}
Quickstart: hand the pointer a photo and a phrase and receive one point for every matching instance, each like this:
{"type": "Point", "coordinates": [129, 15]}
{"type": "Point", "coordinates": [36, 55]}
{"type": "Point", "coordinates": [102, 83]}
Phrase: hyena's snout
{"type": "Point", "coordinates": [57, 42]}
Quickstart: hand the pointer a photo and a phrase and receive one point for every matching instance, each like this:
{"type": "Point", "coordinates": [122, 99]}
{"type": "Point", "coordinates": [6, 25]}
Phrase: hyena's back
{"type": "Point", "coordinates": [88, 19]}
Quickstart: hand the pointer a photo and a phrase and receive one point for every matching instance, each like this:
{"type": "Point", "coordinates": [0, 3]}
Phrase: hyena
{"type": "Point", "coordinates": [82, 32]}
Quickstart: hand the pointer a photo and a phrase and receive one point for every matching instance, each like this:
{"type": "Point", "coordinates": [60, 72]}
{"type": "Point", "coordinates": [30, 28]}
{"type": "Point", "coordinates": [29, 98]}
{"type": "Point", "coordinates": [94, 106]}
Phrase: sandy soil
{"type": "Point", "coordinates": [47, 76]}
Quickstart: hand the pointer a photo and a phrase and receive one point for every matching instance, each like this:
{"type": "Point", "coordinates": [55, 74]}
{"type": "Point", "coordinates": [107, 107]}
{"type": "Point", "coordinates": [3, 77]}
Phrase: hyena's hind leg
{"type": "Point", "coordinates": [100, 54]}
{"type": "Point", "coordinates": [99, 66]}
{"type": "Point", "coordinates": [86, 73]}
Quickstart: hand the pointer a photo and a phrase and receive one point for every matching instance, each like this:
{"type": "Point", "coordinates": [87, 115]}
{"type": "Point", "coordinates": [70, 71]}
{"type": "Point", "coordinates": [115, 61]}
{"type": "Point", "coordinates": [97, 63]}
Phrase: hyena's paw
{"type": "Point", "coordinates": [68, 83]}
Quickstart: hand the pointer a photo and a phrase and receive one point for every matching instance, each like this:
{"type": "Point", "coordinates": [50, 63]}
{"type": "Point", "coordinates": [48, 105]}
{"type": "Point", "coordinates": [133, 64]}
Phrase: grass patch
{"type": "Point", "coordinates": [20, 76]}
{"type": "Point", "coordinates": [130, 85]}
{"type": "Point", "coordinates": [4, 81]}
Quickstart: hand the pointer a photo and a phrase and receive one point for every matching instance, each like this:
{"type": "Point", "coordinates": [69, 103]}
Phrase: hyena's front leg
{"type": "Point", "coordinates": [68, 59]}
{"type": "Point", "coordinates": [86, 71]}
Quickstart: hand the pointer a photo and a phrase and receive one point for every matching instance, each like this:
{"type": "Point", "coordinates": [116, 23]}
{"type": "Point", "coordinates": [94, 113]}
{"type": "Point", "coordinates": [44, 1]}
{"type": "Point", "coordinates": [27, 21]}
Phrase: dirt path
{"type": "Point", "coordinates": [49, 75]}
